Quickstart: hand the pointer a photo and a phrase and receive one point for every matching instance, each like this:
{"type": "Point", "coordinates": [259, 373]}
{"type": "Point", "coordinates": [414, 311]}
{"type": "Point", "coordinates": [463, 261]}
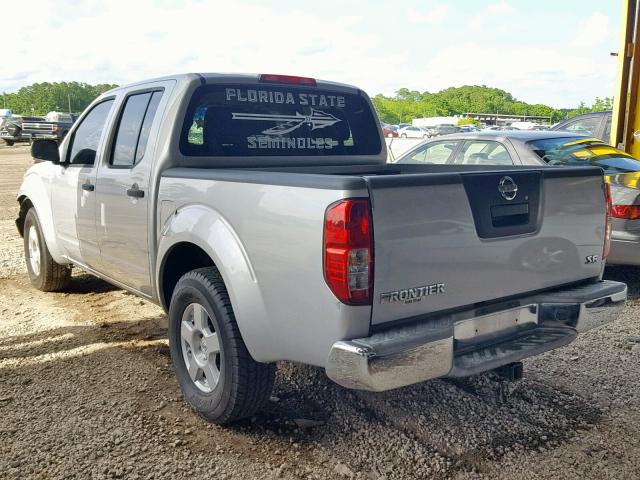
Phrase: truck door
{"type": "Point", "coordinates": [123, 191]}
{"type": "Point", "coordinates": [73, 189]}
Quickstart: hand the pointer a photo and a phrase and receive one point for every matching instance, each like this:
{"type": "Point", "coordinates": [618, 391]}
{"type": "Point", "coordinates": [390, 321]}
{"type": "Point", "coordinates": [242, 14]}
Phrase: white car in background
{"type": "Point", "coordinates": [412, 132]}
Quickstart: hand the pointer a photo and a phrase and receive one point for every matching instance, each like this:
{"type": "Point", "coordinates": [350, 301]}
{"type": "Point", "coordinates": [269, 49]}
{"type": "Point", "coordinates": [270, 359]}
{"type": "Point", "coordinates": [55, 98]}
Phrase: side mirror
{"type": "Point", "coordinates": [45, 150]}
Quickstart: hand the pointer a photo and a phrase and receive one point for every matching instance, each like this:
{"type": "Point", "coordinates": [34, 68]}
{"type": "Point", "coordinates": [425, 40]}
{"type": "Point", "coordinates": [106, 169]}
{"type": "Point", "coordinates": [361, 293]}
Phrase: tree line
{"type": "Point", "coordinates": [41, 98]}
{"type": "Point", "coordinates": [404, 106]}
{"type": "Point", "coordinates": [407, 104]}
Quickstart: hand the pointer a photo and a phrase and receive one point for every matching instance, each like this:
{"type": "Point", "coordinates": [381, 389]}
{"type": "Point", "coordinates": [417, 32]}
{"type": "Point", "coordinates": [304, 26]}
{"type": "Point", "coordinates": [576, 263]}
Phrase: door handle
{"type": "Point", "coordinates": [88, 187]}
{"type": "Point", "coordinates": [135, 192]}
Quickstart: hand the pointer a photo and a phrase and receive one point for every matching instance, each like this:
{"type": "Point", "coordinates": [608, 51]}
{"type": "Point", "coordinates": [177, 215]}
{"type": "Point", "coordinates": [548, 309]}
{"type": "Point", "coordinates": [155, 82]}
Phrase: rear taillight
{"type": "Point", "coordinates": [629, 212]}
{"type": "Point", "coordinates": [607, 221]}
{"type": "Point", "coordinates": [275, 78]}
{"type": "Point", "coordinates": [348, 251]}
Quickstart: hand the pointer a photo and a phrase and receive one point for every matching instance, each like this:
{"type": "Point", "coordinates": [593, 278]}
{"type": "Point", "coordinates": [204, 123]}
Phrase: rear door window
{"type": "Point", "coordinates": [482, 152]}
{"type": "Point", "coordinates": [606, 134]}
{"type": "Point", "coordinates": [133, 128]}
{"type": "Point", "coordinates": [267, 120]}
{"type": "Point", "coordinates": [434, 153]}
{"type": "Point", "coordinates": [585, 125]}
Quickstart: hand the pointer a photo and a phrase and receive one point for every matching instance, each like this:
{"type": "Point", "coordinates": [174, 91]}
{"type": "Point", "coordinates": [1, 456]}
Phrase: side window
{"type": "Point", "coordinates": [606, 134]}
{"type": "Point", "coordinates": [86, 138]}
{"type": "Point", "coordinates": [133, 128]}
{"type": "Point", "coordinates": [586, 126]}
{"type": "Point", "coordinates": [435, 153]}
{"type": "Point", "coordinates": [481, 152]}
{"type": "Point", "coordinates": [146, 125]}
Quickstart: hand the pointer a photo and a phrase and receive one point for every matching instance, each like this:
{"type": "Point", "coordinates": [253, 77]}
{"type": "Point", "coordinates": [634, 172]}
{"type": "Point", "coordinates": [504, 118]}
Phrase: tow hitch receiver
{"type": "Point", "coordinates": [510, 372]}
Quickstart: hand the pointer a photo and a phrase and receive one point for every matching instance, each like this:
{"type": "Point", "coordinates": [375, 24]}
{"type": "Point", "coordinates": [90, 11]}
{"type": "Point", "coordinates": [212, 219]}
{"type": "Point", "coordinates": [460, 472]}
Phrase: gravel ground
{"type": "Point", "coordinates": [87, 391]}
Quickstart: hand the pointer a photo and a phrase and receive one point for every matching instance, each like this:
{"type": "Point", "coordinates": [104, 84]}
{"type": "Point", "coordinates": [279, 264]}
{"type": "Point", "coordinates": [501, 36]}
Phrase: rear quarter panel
{"type": "Point", "coordinates": [266, 240]}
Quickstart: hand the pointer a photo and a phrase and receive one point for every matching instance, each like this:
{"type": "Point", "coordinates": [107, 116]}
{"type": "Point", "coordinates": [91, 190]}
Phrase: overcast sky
{"type": "Point", "coordinates": [544, 51]}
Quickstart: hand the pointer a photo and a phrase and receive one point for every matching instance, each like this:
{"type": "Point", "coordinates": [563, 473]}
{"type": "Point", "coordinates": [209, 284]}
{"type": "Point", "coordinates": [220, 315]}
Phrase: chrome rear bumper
{"type": "Point", "coordinates": [474, 341]}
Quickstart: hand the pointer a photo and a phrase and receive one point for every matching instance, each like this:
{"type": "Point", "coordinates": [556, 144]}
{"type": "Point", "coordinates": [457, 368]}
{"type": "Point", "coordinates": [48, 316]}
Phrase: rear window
{"type": "Point", "coordinates": [580, 151]}
{"type": "Point", "coordinates": [266, 120]}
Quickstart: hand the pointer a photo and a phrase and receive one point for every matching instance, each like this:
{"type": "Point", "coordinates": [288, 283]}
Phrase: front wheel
{"type": "Point", "coordinates": [216, 373]}
{"type": "Point", "coordinates": [45, 274]}
{"type": "Point", "coordinates": [9, 142]}
{"type": "Point", "coordinates": [404, 135]}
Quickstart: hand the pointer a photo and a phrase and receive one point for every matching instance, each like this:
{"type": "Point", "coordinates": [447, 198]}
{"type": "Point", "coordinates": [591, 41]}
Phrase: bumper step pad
{"type": "Point", "coordinates": [536, 341]}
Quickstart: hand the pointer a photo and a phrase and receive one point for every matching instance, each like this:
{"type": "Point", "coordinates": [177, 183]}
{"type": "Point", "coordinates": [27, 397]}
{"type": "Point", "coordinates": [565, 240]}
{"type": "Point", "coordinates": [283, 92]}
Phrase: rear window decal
{"type": "Point", "coordinates": [277, 97]}
{"type": "Point", "coordinates": [241, 120]}
{"type": "Point", "coordinates": [289, 123]}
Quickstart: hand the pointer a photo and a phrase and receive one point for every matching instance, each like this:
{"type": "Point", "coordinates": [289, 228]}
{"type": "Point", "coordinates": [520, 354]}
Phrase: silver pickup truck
{"type": "Point", "coordinates": [258, 210]}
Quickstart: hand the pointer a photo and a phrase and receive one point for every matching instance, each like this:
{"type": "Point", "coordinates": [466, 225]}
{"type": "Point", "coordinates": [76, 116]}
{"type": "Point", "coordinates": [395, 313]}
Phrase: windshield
{"type": "Point", "coordinates": [579, 151]}
{"type": "Point", "coordinates": [267, 120]}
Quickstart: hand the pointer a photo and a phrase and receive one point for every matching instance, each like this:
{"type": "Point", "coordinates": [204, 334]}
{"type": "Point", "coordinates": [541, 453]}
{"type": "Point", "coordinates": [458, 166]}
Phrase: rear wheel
{"type": "Point", "coordinates": [45, 274]}
{"type": "Point", "coordinates": [404, 135]}
{"type": "Point", "coordinates": [216, 373]}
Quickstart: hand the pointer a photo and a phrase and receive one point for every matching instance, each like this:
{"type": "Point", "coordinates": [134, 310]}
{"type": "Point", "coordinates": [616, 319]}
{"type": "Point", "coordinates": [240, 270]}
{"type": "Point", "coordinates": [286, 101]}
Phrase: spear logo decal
{"type": "Point", "coordinates": [288, 123]}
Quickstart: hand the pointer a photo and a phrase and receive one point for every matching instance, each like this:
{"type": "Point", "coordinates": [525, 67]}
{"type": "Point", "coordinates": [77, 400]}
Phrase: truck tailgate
{"type": "Point", "coordinates": [447, 240]}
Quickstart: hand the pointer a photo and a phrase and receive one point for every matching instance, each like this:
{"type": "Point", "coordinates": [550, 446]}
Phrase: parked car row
{"type": "Point", "coordinates": [405, 130]}
{"type": "Point", "coordinates": [20, 128]}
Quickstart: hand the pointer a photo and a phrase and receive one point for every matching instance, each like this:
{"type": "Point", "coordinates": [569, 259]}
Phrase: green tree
{"type": "Point", "coordinates": [602, 104]}
{"type": "Point", "coordinates": [468, 121]}
{"type": "Point", "coordinates": [40, 98]}
{"type": "Point", "coordinates": [407, 104]}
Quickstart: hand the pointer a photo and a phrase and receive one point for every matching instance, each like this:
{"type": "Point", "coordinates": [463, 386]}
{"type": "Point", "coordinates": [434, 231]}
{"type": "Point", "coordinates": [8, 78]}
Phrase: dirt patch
{"type": "Point", "coordinates": [87, 391]}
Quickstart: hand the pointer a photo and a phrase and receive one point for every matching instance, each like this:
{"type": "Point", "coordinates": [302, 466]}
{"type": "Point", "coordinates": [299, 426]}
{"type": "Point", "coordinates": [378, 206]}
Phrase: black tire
{"type": "Point", "coordinates": [404, 135]}
{"type": "Point", "coordinates": [243, 385]}
{"type": "Point", "coordinates": [9, 142]}
{"type": "Point", "coordinates": [51, 276]}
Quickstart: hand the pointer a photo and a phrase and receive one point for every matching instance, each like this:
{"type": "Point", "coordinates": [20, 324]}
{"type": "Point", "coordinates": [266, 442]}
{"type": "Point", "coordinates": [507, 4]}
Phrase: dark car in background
{"type": "Point", "coordinates": [54, 126]}
{"type": "Point", "coordinates": [12, 129]}
{"type": "Point", "coordinates": [444, 130]}
{"type": "Point", "coordinates": [535, 148]}
{"type": "Point", "coordinates": [594, 124]}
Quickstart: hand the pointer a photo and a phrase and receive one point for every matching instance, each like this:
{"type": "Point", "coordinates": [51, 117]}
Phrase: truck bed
{"type": "Point", "coordinates": [444, 237]}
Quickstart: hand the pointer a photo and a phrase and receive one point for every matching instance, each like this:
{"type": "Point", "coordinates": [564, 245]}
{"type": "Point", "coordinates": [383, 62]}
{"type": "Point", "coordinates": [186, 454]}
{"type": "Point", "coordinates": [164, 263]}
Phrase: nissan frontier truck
{"type": "Point", "coordinates": [260, 213]}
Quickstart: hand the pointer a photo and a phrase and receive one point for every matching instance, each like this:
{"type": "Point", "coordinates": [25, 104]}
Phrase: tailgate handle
{"type": "Point", "coordinates": [510, 215]}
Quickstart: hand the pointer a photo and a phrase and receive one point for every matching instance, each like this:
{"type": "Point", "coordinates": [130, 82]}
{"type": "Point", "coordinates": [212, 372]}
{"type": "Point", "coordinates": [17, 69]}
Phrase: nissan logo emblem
{"type": "Point", "coordinates": [507, 188]}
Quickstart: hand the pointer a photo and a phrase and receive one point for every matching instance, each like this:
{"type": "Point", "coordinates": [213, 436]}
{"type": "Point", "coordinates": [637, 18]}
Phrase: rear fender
{"type": "Point", "coordinates": [208, 229]}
